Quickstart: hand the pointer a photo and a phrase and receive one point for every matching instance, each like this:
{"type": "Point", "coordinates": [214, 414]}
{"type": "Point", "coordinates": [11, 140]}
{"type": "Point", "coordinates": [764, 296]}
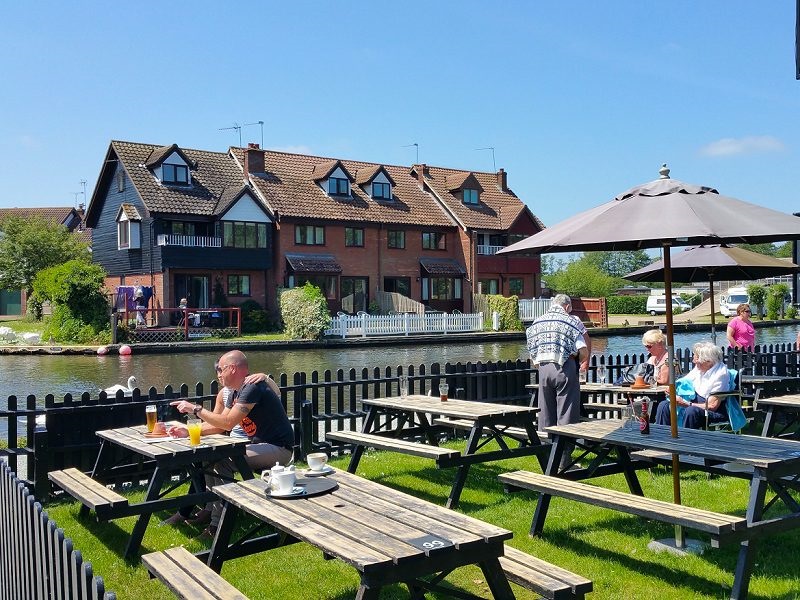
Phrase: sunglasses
{"type": "Point", "coordinates": [220, 369]}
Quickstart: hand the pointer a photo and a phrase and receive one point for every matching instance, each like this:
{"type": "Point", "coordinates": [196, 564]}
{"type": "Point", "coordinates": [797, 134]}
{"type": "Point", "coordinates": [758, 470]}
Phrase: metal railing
{"type": "Point", "coordinates": [189, 241]}
{"type": "Point", "coordinates": [489, 250]}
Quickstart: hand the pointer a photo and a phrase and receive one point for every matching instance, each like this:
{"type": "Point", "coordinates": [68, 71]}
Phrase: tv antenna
{"type": "Point", "coordinates": [235, 126]}
{"type": "Point", "coordinates": [262, 132]}
{"type": "Point", "coordinates": [416, 145]}
{"type": "Point", "coordinates": [494, 165]}
{"type": "Point", "coordinates": [83, 185]}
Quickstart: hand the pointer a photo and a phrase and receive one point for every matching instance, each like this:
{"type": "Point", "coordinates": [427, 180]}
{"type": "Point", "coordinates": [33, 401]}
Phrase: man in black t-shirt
{"type": "Point", "coordinates": [257, 408]}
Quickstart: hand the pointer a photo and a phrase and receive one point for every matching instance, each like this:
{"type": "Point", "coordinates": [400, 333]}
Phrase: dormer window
{"type": "Point", "coordinates": [129, 228]}
{"type": "Point", "coordinates": [338, 186]}
{"type": "Point", "coordinates": [470, 196]}
{"type": "Point", "coordinates": [174, 174]}
{"type": "Point", "coordinates": [381, 191]}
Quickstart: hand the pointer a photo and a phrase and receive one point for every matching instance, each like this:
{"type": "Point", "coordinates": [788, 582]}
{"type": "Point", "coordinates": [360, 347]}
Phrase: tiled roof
{"type": "Point", "coordinates": [496, 209]}
{"type": "Point", "coordinates": [54, 214]}
{"type": "Point", "coordinates": [313, 263]}
{"type": "Point", "coordinates": [131, 212]}
{"type": "Point", "coordinates": [289, 190]}
{"type": "Point", "coordinates": [325, 168]}
{"type": "Point", "coordinates": [442, 266]}
{"type": "Point", "coordinates": [215, 174]}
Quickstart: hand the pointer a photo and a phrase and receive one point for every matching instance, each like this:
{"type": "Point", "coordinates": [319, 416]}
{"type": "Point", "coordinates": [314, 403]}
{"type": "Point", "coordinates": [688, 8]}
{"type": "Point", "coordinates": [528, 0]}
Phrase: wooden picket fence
{"type": "Point", "coordinates": [37, 561]}
{"type": "Point", "coordinates": [363, 324]}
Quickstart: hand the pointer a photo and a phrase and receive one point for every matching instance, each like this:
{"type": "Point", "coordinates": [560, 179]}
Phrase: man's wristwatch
{"type": "Point", "coordinates": [196, 410]}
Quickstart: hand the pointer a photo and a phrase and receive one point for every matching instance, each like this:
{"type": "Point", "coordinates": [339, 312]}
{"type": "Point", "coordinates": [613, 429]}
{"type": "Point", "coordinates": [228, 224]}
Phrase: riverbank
{"type": "Point", "coordinates": [643, 323]}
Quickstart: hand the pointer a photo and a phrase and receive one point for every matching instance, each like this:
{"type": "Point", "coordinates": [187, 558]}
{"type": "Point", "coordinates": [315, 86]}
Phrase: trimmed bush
{"type": "Point", "coordinates": [254, 318]}
{"type": "Point", "coordinates": [305, 312]}
{"type": "Point", "coordinates": [626, 305]}
{"type": "Point", "coordinates": [508, 309]}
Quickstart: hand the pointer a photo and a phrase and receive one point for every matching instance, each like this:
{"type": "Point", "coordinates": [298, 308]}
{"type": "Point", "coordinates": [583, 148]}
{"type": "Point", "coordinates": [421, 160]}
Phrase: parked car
{"type": "Point", "coordinates": [657, 305]}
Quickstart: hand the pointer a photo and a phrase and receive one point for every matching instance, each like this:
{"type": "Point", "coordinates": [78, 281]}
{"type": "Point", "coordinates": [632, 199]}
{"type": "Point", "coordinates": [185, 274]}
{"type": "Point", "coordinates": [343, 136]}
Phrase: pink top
{"type": "Point", "coordinates": [744, 334]}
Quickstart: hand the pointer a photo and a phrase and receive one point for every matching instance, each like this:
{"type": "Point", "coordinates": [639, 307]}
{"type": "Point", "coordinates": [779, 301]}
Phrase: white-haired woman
{"type": "Point", "coordinates": [656, 344]}
{"type": "Point", "coordinates": [709, 376]}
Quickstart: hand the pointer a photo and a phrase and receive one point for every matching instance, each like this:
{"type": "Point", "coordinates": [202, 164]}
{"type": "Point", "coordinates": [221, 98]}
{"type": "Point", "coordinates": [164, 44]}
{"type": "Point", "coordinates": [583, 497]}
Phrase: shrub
{"type": "Point", "coordinates": [508, 309]}
{"type": "Point", "coordinates": [305, 312]}
{"type": "Point", "coordinates": [626, 305]}
{"type": "Point", "coordinates": [791, 312]}
{"type": "Point", "coordinates": [254, 318]}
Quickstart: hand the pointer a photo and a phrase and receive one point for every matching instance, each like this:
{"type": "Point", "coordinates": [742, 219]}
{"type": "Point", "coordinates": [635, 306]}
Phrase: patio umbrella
{"type": "Point", "coordinates": [715, 263]}
{"type": "Point", "coordinates": [661, 214]}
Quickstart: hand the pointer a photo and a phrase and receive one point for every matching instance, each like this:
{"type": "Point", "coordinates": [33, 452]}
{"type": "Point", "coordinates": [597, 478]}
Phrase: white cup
{"type": "Point", "coordinates": [317, 461]}
{"type": "Point", "coordinates": [284, 482]}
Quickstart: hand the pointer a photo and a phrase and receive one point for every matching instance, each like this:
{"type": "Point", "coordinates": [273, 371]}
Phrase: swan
{"type": "Point", "coordinates": [132, 383]}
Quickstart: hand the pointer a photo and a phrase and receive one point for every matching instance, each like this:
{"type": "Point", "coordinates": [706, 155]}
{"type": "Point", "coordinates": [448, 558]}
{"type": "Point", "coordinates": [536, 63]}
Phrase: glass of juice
{"type": "Point", "coordinates": [194, 426]}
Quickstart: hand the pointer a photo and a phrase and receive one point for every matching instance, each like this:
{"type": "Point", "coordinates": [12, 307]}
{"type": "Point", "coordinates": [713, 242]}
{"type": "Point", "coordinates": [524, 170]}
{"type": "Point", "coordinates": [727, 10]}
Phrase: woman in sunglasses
{"type": "Point", "coordinates": [741, 333]}
{"type": "Point", "coordinates": [656, 344]}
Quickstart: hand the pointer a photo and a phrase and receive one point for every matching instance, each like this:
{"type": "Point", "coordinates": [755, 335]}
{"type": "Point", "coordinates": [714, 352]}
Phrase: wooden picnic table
{"type": "Point", "coordinates": [785, 409]}
{"type": "Point", "coordinates": [418, 416]}
{"type": "Point", "coordinates": [772, 464]}
{"type": "Point", "coordinates": [171, 456]}
{"type": "Point", "coordinates": [609, 399]}
{"type": "Point", "coordinates": [386, 535]}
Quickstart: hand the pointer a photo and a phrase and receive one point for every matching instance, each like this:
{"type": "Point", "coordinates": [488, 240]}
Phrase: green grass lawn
{"type": "Point", "coordinates": [605, 546]}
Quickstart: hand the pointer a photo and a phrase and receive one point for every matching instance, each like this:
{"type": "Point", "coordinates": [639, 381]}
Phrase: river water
{"type": "Point", "coordinates": [58, 375]}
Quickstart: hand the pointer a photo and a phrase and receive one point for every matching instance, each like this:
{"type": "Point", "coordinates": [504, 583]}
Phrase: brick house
{"type": "Point", "coordinates": [171, 217]}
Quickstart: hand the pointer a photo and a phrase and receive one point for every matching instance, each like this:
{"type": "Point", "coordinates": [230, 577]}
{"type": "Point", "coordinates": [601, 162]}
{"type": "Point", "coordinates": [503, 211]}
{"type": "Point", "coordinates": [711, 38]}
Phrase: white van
{"type": "Point", "coordinates": [732, 298]}
{"type": "Point", "coordinates": [657, 305]}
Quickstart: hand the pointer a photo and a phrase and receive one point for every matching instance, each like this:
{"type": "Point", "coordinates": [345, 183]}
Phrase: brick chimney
{"type": "Point", "coordinates": [422, 170]}
{"type": "Point", "coordinates": [253, 160]}
{"type": "Point", "coordinates": [502, 180]}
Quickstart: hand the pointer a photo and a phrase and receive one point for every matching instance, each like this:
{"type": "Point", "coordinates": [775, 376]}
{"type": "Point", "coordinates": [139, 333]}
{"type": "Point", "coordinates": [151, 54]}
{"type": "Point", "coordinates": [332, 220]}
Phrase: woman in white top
{"type": "Point", "coordinates": [709, 377]}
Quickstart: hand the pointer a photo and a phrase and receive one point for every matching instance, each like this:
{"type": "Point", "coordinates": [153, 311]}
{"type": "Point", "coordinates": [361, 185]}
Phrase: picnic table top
{"type": "Point", "coordinates": [659, 390]}
{"type": "Point", "coordinates": [213, 447]}
{"type": "Point", "coordinates": [760, 452]}
{"type": "Point", "coordinates": [465, 409]}
{"type": "Point", "coordinates": [786, 401]}
{"type": "Point", "coordinates": [372, 527]}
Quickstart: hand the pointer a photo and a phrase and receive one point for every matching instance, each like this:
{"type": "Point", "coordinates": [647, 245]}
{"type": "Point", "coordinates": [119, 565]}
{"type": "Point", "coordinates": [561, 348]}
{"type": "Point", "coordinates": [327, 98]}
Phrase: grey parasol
{"type": "Point", "coordinates": [661, 214]}
{"type": "Point", "coordinates": [715, 263]}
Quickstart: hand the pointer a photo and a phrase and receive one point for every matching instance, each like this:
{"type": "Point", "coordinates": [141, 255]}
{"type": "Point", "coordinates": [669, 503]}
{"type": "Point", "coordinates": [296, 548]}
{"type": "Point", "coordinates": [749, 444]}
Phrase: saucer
{"type": "Point", "coordinates": [151, 434]}
{"type": "Point", "coordinates": [295, 491]}
{"type": "Point", "coordinates": [326, 471]}
{"type": "Point", "coordinates": [646, 386]}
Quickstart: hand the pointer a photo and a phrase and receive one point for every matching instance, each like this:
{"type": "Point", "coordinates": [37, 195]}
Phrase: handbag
{"type": "Point", "coordinates": [629, 374]}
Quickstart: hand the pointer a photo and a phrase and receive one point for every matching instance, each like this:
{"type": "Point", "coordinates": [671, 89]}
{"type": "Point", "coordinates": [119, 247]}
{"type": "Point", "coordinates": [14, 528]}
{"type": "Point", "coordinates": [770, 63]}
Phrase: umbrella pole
{"type": "Point", "coordinates": [673, 404]}
{"type": "Point", "coordinates": [711, 298]}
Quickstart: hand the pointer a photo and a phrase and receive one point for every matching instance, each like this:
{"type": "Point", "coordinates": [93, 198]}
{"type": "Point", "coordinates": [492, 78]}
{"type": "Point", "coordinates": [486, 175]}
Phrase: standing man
{"type": "Point", "coordinates": [556, 345]}
{"type": "Point", "coordinates": [258, 409]}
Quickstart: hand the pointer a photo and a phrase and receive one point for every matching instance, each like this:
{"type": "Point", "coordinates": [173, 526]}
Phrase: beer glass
{"type": "Point", "coordinates": [403, 384]}
{"type": "Point", "coordinates": [152, 416]}
{"type": "Point", "coordinates": [443, 389]}
{"type": "Point", "coordinates": [194, 427]}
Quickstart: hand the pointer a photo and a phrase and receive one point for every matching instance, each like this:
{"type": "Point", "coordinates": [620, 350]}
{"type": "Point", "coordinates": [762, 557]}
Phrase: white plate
{"type": "Point", "coordinates": [326, 471]}
{"type": "Point", "coordinates": [296, 491]}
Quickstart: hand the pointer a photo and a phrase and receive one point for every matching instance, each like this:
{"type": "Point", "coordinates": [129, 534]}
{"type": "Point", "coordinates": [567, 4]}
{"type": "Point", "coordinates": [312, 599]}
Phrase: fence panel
{"type": "Point", "coordinates": [364, 325]}
{"type": "Point", "coordinates": [36, 559]}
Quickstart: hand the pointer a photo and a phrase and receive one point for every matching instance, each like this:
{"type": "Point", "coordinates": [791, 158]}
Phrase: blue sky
{"type": "Point", "coordinates": [581, 100]}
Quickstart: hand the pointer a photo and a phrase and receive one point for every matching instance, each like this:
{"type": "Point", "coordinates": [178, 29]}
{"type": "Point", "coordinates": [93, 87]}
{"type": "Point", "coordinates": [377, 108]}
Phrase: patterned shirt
{"type": "Point", "coordinates": [554, 337]}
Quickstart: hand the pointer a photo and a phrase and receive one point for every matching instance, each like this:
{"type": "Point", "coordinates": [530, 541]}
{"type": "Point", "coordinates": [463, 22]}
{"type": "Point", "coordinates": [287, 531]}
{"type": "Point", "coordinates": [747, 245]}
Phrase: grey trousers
{"type": "Point", "coordinates": [559, 397]}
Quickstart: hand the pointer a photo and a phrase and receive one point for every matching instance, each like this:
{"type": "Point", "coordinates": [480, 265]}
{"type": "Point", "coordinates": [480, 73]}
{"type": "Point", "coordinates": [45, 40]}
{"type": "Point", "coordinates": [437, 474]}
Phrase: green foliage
{"type": "Point", "coordinates": [80, 310]}
{"type": "Point", "coordinates": [29, 245]}
{"type": "Point", "coordinates": [305, 312]}
{"type": "Point", "coordinates": [758, 296]}
{"type": "Point", "coordinates": [776, 295]}
{"type": "Point", "coordinates": [583, 279]}
{"type": "Point", "coordinates": [220, 299]}
{"type": "Point", "coordinates": [254, 318]}
{"type": "Point", "coordinates": [626, 305]}
{"type": "Point", "coordinates": [791, 312]}
{"type": "Point", "coordinates": [618, 263]}
{"type": "Point", "coordinates": [767, 248]}
{"type": "Point", "coordinates": [784, 250]}
{"type": "Point", "coordinates": [374, 308]}
{"type": "Point", "coordinates": [507, 308]}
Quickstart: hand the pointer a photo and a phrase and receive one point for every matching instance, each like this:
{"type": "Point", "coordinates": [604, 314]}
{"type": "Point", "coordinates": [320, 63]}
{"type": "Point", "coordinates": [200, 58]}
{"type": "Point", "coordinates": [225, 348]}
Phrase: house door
{"type": "Point", "coordinates": [195, 288]}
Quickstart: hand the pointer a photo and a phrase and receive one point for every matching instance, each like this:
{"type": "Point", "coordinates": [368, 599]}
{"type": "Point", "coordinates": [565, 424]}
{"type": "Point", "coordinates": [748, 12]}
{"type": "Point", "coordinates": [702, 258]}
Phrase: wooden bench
{"type": "Point", "coordinates": [187, 577]}
{"type": "Point", "coordinates": [545, 579]}
{"type": "Point", "coordinates": [517, 433]}
{"type": "Point", "coordinates": [105, 502]}
{"type": "Point", "coordinates": [721, 527]}
{"type": "Point", "coordinates": [381, 442]}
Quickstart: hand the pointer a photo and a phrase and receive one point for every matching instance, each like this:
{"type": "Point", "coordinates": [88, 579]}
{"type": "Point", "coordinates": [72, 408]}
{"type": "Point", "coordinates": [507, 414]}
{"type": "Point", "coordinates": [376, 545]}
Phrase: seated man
{"type": "Point", "coordinates": [258, 409]}
{"type": "Point", "coordinates": [194, 318]}
{"type": "Point", "coordinates": [708, 377]}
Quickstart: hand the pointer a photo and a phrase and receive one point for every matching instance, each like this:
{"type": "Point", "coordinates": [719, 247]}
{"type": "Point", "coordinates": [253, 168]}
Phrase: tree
{"type": "Point", "coordinates": [767, 248]}
{"type": "Point", "coordinates": [29, 245]}
{"type": "Point", "coordinates": [618, 263]}
{"type": "Point", "coordinates": [304, 311]}
{"type": "Point", "coordinates": [581, 278]}
{"type": "Point", "coordinates": [758, 296]}
{"type": "Point", "coordinates": [784, 250]}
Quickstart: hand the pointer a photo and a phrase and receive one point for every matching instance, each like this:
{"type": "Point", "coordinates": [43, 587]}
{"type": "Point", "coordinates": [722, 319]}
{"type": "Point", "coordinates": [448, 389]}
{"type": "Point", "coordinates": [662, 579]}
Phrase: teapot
{"type": "Point", "coordinates": [639, 381]}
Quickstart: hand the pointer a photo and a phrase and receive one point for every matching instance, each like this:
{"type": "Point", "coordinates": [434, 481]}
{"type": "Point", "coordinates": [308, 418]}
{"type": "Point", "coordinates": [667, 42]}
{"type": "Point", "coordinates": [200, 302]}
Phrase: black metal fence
{"type": "Point", "coordinates": [36, 560]}
{"type": "Point", "coordinates": [316, 403]}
